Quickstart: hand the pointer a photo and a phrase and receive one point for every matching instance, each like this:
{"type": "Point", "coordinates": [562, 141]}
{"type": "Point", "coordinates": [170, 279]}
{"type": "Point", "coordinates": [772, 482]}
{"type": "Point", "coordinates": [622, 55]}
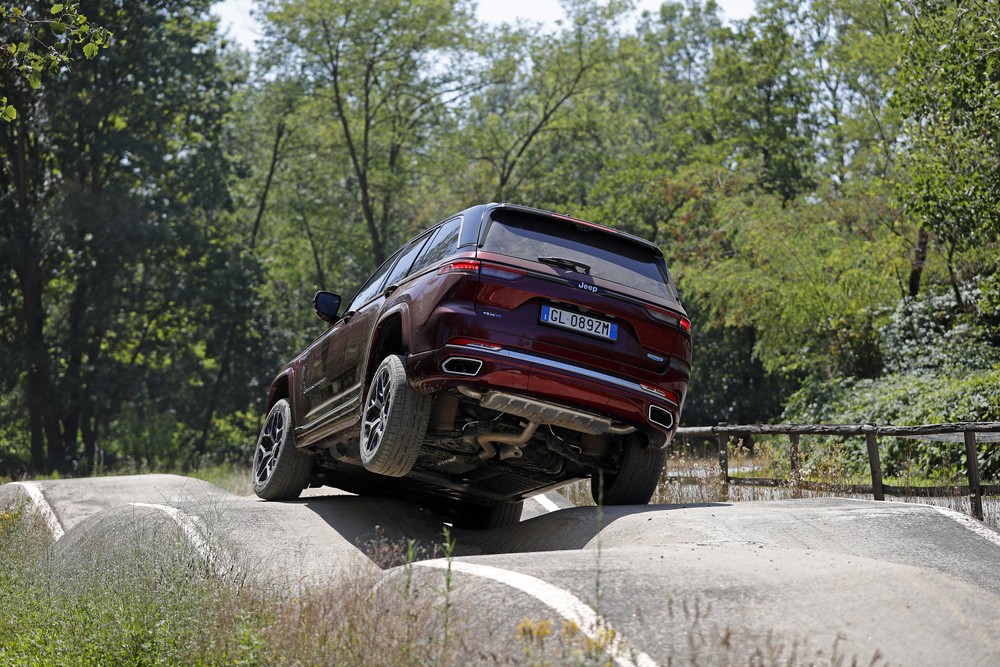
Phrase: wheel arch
{"type": "Point", "coordinates": [389, 337]}
{"type": "Point", "coordinates": [280, 388]}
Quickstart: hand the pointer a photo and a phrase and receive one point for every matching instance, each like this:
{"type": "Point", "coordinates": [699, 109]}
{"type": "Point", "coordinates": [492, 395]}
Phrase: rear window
{"type": "Point", "coordinates": [609, 257]}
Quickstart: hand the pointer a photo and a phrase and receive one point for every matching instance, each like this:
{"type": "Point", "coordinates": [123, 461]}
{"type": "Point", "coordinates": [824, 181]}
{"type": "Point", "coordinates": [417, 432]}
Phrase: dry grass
{"type": "Point", "coordinates": [691, 477]}
{"type": "Point", "coordinates": [232, 479]}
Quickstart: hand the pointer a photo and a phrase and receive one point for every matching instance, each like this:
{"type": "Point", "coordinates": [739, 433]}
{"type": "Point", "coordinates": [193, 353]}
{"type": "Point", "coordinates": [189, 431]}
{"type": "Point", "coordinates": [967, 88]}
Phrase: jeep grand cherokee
{"type": "Point", "coordinates": [501, 353]}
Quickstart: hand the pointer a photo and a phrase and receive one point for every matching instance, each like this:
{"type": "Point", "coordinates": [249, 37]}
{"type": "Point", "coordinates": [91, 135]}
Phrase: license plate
{"type": "Point", "coordinates": [585, 324]}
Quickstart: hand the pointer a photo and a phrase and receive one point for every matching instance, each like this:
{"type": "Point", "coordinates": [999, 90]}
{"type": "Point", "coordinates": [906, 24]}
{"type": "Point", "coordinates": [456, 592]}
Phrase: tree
{"type": "Point", "coordinates": [537, 113]}
{"type": "Point", "coordinates": [761, 94]}
{"type": "Point", "coordinates": [660, 146]}
{"type": "Point", "coordinates": [112, 189]}
{"type": "Point", "coordinates": [384, 72]}
{"type": "Point", "coordinates": [948, 93]}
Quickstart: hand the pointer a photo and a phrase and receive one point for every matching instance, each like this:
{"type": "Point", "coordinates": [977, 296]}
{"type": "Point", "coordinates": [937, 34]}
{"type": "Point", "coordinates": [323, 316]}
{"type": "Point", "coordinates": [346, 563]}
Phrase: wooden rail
{"type": "Point", "coordinates": [969, 433]}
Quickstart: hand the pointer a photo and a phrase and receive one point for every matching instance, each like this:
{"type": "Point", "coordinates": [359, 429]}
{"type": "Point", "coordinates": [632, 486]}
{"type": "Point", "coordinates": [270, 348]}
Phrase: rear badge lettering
{"type": "Point", "coordinates": [589, 288]}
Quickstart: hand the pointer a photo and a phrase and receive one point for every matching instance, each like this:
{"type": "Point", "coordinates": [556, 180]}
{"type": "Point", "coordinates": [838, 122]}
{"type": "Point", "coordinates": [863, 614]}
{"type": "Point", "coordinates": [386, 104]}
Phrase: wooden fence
{"type": "Point", "coordinates": [971, 433]}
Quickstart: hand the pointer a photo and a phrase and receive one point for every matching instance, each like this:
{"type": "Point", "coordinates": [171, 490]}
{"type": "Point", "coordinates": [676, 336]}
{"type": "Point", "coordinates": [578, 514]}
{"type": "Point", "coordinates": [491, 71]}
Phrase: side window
{"type": "Point", "coordinates": [406, 257]}
{"type": "Point", "coordinates": [442, 244]}
{"type": "Point", "coordinates": [374, 284]}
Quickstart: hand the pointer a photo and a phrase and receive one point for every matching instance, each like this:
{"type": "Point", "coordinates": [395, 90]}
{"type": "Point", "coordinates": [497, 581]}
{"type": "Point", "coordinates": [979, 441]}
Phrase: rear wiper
{"type": "Point", "coordinates": [568, 264]}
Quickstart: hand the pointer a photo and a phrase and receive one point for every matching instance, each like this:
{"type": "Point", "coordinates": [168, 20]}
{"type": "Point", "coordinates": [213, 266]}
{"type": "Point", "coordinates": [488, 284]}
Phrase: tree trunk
{"type": "Point", "coordinates": [37, 377]}
{"type": "Point", "coordinates": [918, 261]}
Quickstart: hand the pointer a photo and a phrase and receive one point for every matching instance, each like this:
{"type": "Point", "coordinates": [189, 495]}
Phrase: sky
{"type": "Point", "coordinates": [236, 19]}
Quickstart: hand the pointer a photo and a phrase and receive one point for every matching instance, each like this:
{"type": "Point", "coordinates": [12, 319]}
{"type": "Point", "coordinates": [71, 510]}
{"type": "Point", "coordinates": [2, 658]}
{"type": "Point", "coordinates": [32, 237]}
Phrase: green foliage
{"type": "Point", "coordinates": [807, 280]}
{"type": "Point", "coordinates": [759, 87]}
{"type": "Point", "coordinates": [942, 365]}
{"type": "Point", "coordinates": [168, 208]}
{"type": "Point", "coordinates": [538, 99]}
{"type": "Point", "coordinates": [949, 92]}
{"type": "Point", "coordinates": [378, 76]}
{"type": "Point", "coordinates": [127, 288]}
{"type": "Point", "coordinates": [38, 39]}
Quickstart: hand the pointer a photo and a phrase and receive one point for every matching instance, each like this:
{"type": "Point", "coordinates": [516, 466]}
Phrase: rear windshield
{"type": "Point", "coordinates": [607, 256]}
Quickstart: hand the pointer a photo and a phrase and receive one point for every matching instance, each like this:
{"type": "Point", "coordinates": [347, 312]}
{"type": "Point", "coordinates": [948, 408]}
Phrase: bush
{"type": "Point", "coordinates": [941, 365]}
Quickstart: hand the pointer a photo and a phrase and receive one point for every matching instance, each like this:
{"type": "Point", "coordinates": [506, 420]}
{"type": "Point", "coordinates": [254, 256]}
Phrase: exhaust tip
{"type": "Point", "coordinates": [661, 417]}
{"type": "Point", "coordinates": [464, 366]}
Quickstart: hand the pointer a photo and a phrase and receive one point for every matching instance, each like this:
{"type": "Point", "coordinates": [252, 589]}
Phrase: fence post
{"type": "Point", "coordinates": [875, 465]}
{"type": "Point", "coordinates": [796, 461]}
{"type": "Point", "coordinates": [723, 441]}
{"type": "Point", "coordinates": [975, 489]}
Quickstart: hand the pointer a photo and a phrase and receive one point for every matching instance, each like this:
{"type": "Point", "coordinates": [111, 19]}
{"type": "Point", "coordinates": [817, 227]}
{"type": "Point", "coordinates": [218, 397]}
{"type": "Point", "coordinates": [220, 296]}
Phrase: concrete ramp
{"type": "Point", "coordinates": [720, 603]}
{"type": "Point", "coordinates": [905, 533]}
{"type": "Point", "coordinates": [833, 579]}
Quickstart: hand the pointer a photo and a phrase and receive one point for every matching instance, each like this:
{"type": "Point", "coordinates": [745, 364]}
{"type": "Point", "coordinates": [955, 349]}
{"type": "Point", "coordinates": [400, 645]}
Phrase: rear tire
{"type": "Point", "coordinates": [636, 479]}
{"type": "Point", "coordinates": [280, 470]}
{"type": "Point", "coordinates": [478, 517]}
{"type": "Point", "coordinates": [394, 421]}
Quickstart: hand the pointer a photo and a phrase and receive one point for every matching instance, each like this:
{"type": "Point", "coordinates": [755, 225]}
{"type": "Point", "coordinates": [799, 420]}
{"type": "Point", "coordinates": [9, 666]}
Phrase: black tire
{"type": "Point", "coordinates": [394, 420]}
{"type": "Point", "coordinates": [478, 517]}
{"type": "Point", "coordinates": [636, 479]}
{"type": "Point", "coordinates": [280, 470]}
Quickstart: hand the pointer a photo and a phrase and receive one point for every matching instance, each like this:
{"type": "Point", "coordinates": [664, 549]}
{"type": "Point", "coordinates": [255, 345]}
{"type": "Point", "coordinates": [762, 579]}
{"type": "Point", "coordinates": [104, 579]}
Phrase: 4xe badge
{"type": "Point", "coordinates": [591, 288]}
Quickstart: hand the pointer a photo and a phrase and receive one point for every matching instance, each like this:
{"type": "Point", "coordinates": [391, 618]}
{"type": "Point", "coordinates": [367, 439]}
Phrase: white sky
{"type": "Point", "coordinates": [235, 14]}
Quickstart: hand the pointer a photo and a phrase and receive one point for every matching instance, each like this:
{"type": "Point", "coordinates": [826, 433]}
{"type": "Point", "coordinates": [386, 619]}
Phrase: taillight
{"type": "Point", "coordinates": [470, 266]}
{"type": "Point", "coordinates": [668, 317]}
{"type": "Point", "coordinates": [474, 266]}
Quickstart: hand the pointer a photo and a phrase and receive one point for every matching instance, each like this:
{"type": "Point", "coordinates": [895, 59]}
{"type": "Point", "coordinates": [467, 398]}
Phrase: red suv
{"type": "Point", "coordinates": [503, 352]}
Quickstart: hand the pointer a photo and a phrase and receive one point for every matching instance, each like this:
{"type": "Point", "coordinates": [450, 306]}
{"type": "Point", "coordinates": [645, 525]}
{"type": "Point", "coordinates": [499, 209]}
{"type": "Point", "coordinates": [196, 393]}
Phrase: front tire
{"type": "Point", "coordinates": [394, 421]}
{"type": "Point", "coordinates": [280, 470]}
{"type": "Point", "coordinates": [636, 479]}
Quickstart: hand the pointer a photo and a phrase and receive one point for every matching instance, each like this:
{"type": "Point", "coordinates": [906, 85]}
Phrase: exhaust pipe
{"type": "Point", "coordinates": [662, 417]}
{"type": "Point", "coordinates": [465, 366]}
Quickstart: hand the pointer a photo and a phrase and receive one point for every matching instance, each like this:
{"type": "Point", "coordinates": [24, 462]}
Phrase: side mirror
{"type": "Point", "coordinates": [326, 305]}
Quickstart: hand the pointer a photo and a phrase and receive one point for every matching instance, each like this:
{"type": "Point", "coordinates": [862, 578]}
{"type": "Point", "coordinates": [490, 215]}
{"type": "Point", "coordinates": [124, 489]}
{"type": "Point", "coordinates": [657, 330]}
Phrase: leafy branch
{"type": "Point", "coordinates": [34, 43]}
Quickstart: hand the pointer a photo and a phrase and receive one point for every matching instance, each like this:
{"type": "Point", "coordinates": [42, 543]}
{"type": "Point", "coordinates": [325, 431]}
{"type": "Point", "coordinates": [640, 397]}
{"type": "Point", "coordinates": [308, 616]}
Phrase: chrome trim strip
{"type": "Point", "coordinates": [561, 366]}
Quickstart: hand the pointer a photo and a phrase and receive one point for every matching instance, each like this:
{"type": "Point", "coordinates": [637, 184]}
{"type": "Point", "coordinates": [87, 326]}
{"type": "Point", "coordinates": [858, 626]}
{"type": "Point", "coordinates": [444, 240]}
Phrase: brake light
{"type": "Point", "coordinates": [470, 266]}
{"type": "Point", "coordinates": [584, 223]}
{"type": "Point", "coordinates": [671, 318]}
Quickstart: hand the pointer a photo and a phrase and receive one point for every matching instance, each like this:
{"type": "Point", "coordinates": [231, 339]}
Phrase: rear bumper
{"type": "Point", "coordinates": [514, 370]}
